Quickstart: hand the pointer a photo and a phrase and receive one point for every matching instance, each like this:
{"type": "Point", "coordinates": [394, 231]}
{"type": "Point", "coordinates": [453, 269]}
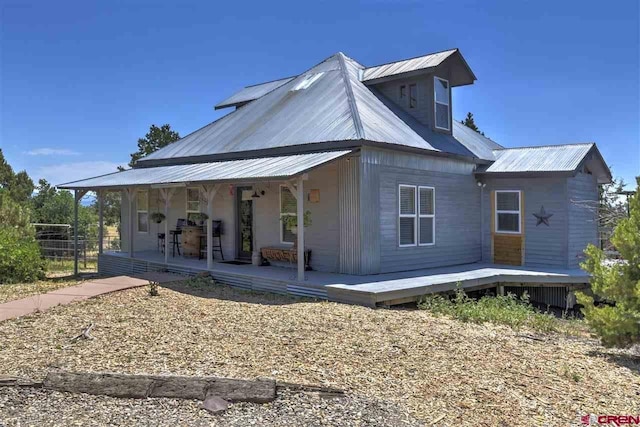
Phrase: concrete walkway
{"type": "Point", "coordinates": [83, 291]}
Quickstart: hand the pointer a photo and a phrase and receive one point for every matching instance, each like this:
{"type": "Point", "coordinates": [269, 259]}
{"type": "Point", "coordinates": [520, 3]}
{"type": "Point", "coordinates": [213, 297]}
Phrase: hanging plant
{"type": "Point", "coordinates": [157, 217]}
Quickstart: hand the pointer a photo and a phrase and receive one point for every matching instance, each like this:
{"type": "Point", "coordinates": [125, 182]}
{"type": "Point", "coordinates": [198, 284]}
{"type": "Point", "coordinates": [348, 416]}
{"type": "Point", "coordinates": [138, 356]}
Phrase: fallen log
{"type": "Point", "coordinates": [171, 386]}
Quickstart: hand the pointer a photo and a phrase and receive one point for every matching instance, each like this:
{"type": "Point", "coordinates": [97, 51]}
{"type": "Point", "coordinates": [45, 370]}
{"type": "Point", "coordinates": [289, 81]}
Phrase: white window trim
{"type": "Point", "coordinates": [186, 201]}
{"type": "Point", "coordinates": [435, 102]}
{"type": "Point", "coordinates": [433, 215]}
{"type": "Point", "coordinates": [139, 211]}
{"type": "Point", "coordinates": [519, 212]}
{"type": "Point", "coordinates": [413, 215]}
{"type": "Point", "coordinates": [280, 214]}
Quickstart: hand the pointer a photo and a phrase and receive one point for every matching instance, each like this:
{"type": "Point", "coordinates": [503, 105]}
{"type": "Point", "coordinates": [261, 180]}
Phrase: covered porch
{"type": "Point", "coordinates": [256, 203]}
{"type": "Point", "coordinates": [367, 290]}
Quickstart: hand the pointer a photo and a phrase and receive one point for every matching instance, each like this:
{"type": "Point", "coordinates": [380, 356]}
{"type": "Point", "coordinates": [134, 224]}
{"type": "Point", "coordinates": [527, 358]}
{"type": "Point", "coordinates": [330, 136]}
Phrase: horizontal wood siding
{"type": "Point", "coordinates": [583, 227]}
{"type": "Point", "coordinates": [544, 245]}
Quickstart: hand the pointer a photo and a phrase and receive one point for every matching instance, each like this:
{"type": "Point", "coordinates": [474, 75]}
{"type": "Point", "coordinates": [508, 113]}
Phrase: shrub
{"type": "Point", "coordinates": [617, 324]}
{"type": "Point", "coordinates": [505, 310]}
{"type": "Point", "coordinates": [20, 259]}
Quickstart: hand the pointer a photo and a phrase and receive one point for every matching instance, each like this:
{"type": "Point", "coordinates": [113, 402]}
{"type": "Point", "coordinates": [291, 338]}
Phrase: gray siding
{"type": "Point", "coordinates": [543, 245]}
{"type": "Point", "coordinates": [457, 197]}
{"type": "Point", "coordinates": [322, 236]}
{"type": "Point", "coordinates": [349, 216]}
{"type": "Point", "coordinates": [583, 227]}
{"type": "Point", "coordinates": [424, 84]}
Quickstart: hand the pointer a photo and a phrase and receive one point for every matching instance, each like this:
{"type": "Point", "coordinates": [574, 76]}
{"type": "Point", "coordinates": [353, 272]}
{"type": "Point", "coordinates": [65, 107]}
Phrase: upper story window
{"type": "Point", "coordinates": [403, 94]}
{"type": "Point", "coordinates": [442, 103]}
{"type": "Point", "coordinates": [508, 212]}
{"type": "Point", "coordinates": [413, 96]}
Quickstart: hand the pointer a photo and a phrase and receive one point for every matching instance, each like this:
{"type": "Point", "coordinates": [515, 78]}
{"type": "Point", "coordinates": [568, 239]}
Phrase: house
{"type": "Point", "coordinates": [390, 181]}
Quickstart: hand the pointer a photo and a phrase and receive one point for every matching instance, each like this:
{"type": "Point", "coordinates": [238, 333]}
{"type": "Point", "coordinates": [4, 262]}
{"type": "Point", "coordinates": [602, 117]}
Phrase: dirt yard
{"type": "Point", "coordinates": [441, 370]}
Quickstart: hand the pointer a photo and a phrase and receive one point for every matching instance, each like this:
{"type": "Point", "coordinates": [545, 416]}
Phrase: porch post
{"type": "Point", "coordinates": [75, 232]}
{"type": "Point", "coordinates": [100, 221]}
{"type": "Point", "coordinates": [130, 192]}
{"type": "Point", "coordinates": [166, 194]}
{"type": "Point", "coordinates": [300, 213]}
{"type": "Point", "coordinates": [209, 192]}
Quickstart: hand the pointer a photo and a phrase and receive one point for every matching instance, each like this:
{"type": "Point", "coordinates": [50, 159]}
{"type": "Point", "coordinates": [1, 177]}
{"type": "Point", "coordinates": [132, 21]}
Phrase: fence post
{"type": "Point", "coordinates": [75, 232]}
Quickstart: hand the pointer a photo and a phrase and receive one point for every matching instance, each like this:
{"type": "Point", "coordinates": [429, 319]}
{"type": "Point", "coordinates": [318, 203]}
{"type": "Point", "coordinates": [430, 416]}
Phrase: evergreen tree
{"type": "Point", "coordinates": [470, 122]}
{"type": "Point", "coordinates": [617, 323]}
{"type": "Point", "coordinates": [156, 138]}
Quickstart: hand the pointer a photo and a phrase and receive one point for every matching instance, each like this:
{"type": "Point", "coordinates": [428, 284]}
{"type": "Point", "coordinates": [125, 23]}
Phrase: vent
{"type": "Point", "coordinates": [308, 80]}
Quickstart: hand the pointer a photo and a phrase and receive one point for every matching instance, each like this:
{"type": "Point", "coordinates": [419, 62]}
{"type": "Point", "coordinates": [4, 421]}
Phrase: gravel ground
{"type": "Point", "coordinates": [39, 407]}
{"type": "Point", "coordinates": [440, 369]}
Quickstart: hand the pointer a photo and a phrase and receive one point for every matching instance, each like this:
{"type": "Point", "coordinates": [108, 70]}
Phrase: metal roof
{"type": "Point", "coordinates": [337, 109]}
{"type": "Point", "coordinates": [566, 158]}
{"type": "Point", "coordinates": [407, 65]}
{"type": "Point", "coordinates": [462, 75]}
{"type": "Point", "coordinates": [233, 170]}
{"type": "Point", "coordinates": [250, 93]}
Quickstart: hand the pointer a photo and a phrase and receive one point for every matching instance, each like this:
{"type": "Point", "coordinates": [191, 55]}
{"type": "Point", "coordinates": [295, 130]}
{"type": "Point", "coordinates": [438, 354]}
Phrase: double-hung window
{"type": "Point", "coordinates": [142, 211]}
{"type": "Point", "coordinates": [193, 202]}
{"type": "Point", "coordinates": [288, 208]}
{"type": "Point", "coordinates": [416, 215]}
{"type": "Point", "coordinates": [403, 94]}
{"type": "Point", "coordinates": [441, 103]}
{"type": "Point", "coordinates": [427, 215]}
{"type": "Point", "coordinates": [508, 211]}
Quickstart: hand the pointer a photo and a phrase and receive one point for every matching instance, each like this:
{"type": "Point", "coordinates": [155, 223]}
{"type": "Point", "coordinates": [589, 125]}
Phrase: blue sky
{"type": "Point", "coordinates": [81, 81]}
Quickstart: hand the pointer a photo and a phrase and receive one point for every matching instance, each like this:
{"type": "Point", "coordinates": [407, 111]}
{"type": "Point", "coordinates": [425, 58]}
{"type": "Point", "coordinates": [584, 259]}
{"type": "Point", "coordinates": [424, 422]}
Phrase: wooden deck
{"type": "Point", "coordinates": [370, 290]}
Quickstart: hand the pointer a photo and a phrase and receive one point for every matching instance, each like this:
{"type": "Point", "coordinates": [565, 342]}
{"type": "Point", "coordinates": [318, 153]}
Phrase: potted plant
{"type": "Point", "coordinates": [157, 217]}
{"type": "Point", "coordinates": [199, 217]}
{"type": "Point", "coordinates": [291, 221]}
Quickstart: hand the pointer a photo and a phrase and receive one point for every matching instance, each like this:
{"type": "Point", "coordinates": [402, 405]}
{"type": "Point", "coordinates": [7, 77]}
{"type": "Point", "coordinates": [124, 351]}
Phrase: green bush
{"type": "Point", "coordinates": [505, 310]}
{"type": "Point", "coordinates": [20, 259]}
{"type": "Point", "coordinates": [618, 323]}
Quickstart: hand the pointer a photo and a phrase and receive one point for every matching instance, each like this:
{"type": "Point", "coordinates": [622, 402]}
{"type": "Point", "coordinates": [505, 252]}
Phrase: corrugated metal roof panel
{"type": "Point", "coordinates": [262, 168]}
{"type": "Point", "coordinates": [551, 158]}
{"type": "Point", "coordinates": [406, 66]}
{"type": "Point", "coordinates": [337, 108]}
{"type": "Point", "coordinates": [251, 93]}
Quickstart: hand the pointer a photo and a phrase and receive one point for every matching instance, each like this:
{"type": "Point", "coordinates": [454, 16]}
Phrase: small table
{"type": "Point", "coordinates": [286, 255]}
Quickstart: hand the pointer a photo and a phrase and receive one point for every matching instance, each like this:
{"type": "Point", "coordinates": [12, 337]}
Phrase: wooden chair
{"type": "Point", "coordinates": [176, 236]}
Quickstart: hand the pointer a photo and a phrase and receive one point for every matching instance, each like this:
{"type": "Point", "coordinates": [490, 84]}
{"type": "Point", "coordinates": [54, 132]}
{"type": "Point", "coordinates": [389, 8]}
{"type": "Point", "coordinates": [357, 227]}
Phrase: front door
{"type": "Point", "coordinates": [507, 227]}
{"type": "Point", "coordinates": [244, 221]}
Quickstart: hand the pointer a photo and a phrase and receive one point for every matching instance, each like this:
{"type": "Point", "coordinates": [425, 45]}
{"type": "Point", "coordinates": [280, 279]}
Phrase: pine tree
{"type": "Point", "coordinates": [617, 322]}
{"type": "Point", "coordinates": [470, 122]}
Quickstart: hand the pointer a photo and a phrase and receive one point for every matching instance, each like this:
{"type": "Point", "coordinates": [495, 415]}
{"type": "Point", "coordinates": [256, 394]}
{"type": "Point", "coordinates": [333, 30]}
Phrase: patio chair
{"type": "Point", "coordinates": [216, 232]}
{"type": "Point", "coordinates": [175, 234]}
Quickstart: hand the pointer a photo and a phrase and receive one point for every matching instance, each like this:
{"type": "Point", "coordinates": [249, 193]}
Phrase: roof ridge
{"type": "Point", "coordinates": [413, 57]}
{"type": "Point", "coordinates": [571, 144]}
{"type": "Point", "coordinates": [357, 121]}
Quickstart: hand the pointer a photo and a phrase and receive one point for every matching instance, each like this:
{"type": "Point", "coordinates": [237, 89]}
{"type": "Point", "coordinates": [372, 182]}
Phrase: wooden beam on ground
{"type": "Point", "coordinates": [169, 386]}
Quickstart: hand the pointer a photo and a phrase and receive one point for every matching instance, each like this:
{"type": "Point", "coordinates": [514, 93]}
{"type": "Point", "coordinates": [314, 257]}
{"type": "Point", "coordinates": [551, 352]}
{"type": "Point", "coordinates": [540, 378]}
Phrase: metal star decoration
{"type": "Point", "coordinates": [543, 217]}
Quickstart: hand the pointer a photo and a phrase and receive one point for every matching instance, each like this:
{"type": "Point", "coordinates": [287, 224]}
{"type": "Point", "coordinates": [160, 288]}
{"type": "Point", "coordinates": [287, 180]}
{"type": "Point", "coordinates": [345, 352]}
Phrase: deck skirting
{"type": "Point", "coordinates": [110, 265]}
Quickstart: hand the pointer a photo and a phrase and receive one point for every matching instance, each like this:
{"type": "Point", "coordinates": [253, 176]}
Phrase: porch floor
{"type": "Point", "coordinates": [364, 290]}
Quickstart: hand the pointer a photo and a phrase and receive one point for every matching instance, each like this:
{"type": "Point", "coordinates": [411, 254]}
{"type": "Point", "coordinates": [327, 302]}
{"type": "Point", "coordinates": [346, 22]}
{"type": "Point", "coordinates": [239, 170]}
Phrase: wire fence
{"type": "Point", "coordinates": [59, 253]}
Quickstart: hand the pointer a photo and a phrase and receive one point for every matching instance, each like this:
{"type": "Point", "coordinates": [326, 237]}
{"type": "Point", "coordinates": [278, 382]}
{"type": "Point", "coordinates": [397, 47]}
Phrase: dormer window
{"type": "Point", "coordinates": [442, 104]}
{"type": "Point", "coordinates": [403, 94]}
{"type": "Point", "coordinates": [413, 96]}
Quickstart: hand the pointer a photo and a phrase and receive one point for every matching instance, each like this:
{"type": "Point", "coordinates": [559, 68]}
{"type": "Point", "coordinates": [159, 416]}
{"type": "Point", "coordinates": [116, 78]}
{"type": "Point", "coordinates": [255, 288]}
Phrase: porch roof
{"type": "Point", "coordinates": [269, 168]}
